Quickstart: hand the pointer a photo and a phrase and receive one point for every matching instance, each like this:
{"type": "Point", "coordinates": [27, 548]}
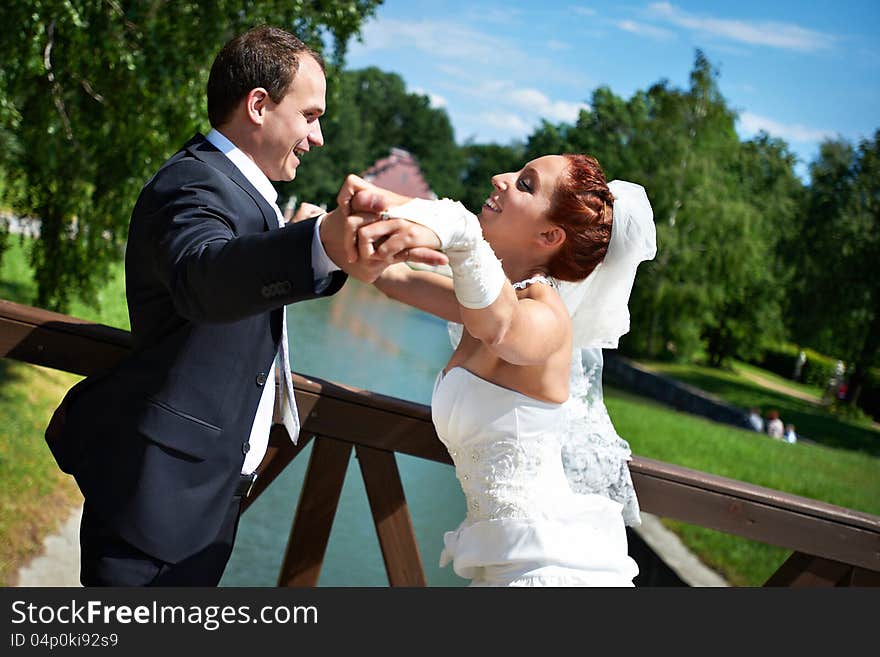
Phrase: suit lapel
{"type": "Point", "coordinates": [205, 151]}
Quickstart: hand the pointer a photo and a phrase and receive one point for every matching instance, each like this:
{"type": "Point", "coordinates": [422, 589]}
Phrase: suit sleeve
{"type": "Point", "coordinates": [211, 273]}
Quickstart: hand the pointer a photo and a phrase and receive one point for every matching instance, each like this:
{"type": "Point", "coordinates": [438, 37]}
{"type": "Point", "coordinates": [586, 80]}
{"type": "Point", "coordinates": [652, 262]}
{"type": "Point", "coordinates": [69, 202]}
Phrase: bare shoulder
{"type": "Point", "coordinates": [544, 294]}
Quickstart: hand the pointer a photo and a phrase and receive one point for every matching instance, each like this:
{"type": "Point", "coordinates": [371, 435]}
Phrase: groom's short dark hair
{"type": "Point", "coordinates": [265, 57]}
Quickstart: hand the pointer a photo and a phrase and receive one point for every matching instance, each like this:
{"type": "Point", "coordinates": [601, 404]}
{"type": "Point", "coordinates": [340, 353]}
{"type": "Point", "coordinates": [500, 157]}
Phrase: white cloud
{"type": "Point", "coordinates": [507, 122]}
{"type": "Point", "coordinates": [786, 36]}
{"type": "Point", "coordinates": [505, 16]}
{"type": "Point", "coordinates": [553, 44]}
{"type": "Point", "coordinates": [752, 123]}
{"type": "Point", "coordinates": [448, 44]}
{"type": "Point", "coordinates": [440, 40]}
{"type": "Point", "coordinates": [642, 29]}
{"type": "Point", "coordinates": [584, 11]}
{"type": "Point", "coordinates": [529, 100]}
{"type": "Point", "coordinates": [478, 75]}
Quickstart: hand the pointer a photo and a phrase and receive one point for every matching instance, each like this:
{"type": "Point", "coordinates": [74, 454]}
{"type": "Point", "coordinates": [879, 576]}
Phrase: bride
{"type": "Point", "coordinates": [540, 283]}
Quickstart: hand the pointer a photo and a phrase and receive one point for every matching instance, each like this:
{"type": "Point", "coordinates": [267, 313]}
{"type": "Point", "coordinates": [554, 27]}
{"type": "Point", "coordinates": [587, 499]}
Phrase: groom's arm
{"type": "Point", "coordinates": [211, 273]}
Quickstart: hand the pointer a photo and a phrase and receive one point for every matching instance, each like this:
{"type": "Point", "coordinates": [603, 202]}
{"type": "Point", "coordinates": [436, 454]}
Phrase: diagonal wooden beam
{"type": "Point", "coordinates": [314, 513]}
{"type": "Point", "coordinates": [803, 570]}
{"type": "Point", "coordinates": [403, 563]}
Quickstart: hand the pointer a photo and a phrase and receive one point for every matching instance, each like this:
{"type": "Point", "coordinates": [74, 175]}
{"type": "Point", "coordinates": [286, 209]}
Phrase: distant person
{"type": "Point", "coordinates": [799, 365]}
{"type": "Point", "coordinates": [790, 436]}
{"type": "Point", "coordinates": [775, 428]}
{"type": "Point", "coordinates": [755, 420]}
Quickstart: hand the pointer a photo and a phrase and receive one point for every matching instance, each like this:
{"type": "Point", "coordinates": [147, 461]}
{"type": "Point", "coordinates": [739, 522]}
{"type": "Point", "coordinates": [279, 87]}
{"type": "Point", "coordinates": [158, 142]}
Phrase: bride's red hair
{"type": "Point", "coordinates": [582, 205]}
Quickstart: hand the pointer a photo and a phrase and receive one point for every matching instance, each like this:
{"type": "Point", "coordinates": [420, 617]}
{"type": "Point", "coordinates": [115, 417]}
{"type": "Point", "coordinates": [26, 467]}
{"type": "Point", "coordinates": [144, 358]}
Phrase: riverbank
{"type": "Point", "coordinates": [35, 496]}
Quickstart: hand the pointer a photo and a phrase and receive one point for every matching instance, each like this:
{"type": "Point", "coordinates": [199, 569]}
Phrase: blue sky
{"type": "Point", "coordinates": [802, 71]}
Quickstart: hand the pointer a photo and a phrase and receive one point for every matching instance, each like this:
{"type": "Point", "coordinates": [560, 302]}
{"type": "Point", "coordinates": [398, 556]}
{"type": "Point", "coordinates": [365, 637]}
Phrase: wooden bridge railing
{"type": "Point", "coordinates": [832, 546]}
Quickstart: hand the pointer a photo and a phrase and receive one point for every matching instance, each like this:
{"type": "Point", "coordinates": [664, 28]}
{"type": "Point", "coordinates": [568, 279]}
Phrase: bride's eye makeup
{"type": "Point", "coordinates": [524, 184]}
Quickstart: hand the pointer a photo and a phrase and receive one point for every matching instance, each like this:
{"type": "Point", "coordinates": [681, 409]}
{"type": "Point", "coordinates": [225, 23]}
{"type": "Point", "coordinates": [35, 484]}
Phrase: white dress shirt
{"type": "Point", "coordinates": [322, 267]}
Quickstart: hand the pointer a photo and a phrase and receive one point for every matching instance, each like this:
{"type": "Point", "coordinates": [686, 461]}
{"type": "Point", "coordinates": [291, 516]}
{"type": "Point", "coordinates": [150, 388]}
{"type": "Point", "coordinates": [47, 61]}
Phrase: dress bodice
{"type": "Point", "coordinates": [525, 526]}
{"type": "Point", "coordinates": [505, 446]}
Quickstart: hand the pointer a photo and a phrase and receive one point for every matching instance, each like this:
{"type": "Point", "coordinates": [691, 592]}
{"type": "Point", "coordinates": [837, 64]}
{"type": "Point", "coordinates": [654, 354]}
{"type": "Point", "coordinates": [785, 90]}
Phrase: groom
{"type": "Point", "coordinates": [166, 444]}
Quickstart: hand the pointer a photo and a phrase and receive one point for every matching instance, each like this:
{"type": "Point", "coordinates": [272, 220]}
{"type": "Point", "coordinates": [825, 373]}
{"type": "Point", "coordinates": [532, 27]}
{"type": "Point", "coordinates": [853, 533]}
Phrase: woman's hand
{"type": "Point", "coordinates": [396, 240]}
{"type": "Point", "coordinates": [306, 211]}
{"type": "Point", "coordinates": [358, 195]}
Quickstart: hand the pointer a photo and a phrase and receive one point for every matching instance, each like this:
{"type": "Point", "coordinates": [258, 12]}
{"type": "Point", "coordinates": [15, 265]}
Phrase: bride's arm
{"type": "Point", "coordinates": [523, 330]}
{"type": "Point", "coordinates": [424, 290]}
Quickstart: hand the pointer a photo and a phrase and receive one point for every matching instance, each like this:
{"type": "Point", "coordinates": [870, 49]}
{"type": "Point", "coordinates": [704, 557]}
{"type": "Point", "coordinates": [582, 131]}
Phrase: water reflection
{"type": "Point", "coordinates": [360, 338]}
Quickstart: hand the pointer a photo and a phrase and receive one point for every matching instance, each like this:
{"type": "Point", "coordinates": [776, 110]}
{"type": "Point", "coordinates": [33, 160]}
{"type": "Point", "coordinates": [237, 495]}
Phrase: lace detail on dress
{"type": "Point", "coordinates": [507, 479]}
{"type": "Point", "coordinates": [594, 456]}
{"type": "Point", "coordinates": [540, 278]}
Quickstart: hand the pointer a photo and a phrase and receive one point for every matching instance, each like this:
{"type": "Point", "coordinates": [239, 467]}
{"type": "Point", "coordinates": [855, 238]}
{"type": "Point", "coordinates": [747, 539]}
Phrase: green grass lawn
{"type": "Point", "coordinates": [811, 421]}
{"type": "Point", "coordinates": [17, 284]}
{"type": "Point", "coordinates": [34, 494]}
{"type": "Point", "coordinates": [741, 367]}
{"type": "Point", "coordinates": [843, 477]}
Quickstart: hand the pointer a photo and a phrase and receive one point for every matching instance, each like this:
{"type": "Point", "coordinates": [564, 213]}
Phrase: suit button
{"type": "Point", "coordinates": [245, 448]}
{"type": "Point", "coordinates": [261, 379]}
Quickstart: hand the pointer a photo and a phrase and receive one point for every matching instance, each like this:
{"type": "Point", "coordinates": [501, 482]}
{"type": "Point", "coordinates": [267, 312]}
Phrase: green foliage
{"type": "Point", "coordinates": [812, 420]}
{"type": "Point", "coordinates": [481, 162]}
{"type": "Point", "coordinates": [870, 398]}
{"type": "Point", "coordinates": [818, 369]}
{"type": "Point", "coordinates": [837, 476]}
{"type": "Point", "coordinates": [781, 359]}
{"type": "Point", "coordinates": [98, 94]}
{"type": "Point", "coordinates": [836, 295]}
{"type": "Point", "coordinates": [371, 112]}
{"type": "Point", "coordinates": [720, 207]}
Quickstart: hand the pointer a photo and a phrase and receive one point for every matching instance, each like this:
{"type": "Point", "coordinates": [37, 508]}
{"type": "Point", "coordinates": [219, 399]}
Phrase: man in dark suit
{"type": "Point", "coordinates": [165, 445]}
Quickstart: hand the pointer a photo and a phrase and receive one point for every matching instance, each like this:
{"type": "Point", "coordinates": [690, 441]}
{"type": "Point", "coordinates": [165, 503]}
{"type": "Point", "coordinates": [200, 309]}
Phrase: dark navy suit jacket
{"type": "Point", "coordinates": [159, 441]}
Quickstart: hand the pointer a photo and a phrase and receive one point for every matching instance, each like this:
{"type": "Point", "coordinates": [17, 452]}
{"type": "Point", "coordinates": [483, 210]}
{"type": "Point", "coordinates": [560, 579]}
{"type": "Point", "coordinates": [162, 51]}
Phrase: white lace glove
{"type": "Point", "coordinates": [477, 276]}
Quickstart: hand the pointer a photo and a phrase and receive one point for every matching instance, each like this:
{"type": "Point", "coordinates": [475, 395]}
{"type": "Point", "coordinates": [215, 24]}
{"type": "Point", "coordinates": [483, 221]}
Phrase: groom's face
{"type": "Point", "coordinates": [293, 127]}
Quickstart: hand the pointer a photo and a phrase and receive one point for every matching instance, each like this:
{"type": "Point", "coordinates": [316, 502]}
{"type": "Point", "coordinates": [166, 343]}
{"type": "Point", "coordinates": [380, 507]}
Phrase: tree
{"type": "Point", "coordinates": [713, 286]}
{"type": "Point", "coordinates": [838, 290]}
{"type": "Point", "coordinates": [372, 113]}
{"type": "Point", "coordinates": [99, 92]}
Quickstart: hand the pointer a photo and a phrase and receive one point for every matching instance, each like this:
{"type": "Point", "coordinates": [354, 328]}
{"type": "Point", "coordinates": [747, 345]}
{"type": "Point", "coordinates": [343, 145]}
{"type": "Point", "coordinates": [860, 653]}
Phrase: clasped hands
{"type": "Point", "coordinates": [363, 245]}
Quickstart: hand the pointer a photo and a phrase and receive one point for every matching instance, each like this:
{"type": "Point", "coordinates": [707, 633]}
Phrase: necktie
{"type": "Point", "coordinates": [285, 402]}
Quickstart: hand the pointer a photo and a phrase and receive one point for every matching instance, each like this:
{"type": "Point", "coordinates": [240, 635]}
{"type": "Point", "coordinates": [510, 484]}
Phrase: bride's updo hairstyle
{"type": "Point", "coordinates": [582, 206]}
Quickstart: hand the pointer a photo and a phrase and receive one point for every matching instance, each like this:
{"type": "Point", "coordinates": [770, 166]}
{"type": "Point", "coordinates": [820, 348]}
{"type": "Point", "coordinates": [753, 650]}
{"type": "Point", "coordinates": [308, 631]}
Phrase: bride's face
{"type": "Point", "coordinates": [514, 214]}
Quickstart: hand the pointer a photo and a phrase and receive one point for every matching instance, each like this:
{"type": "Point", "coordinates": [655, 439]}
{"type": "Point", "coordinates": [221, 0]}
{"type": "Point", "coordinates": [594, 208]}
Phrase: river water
{"type": "Point", "coordinates": [360, 338]}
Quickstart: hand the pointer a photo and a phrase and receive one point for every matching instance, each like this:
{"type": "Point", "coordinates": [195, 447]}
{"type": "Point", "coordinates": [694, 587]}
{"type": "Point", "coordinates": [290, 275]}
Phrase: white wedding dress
{"type": "Point", "coordinates": [547, 486]}
{"type": "Point", "coordinates": [525, 526]}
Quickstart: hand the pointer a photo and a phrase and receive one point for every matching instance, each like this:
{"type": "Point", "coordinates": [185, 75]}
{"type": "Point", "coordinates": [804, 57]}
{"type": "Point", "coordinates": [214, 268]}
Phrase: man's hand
{"type": "Point", "coordinates": [339, 235]}
{"type": "Point", "coordinates": [395, 239]}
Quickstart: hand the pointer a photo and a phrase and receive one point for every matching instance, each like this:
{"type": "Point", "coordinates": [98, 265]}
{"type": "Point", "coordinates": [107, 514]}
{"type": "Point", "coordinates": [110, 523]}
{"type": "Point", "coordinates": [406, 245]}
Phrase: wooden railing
{"type": "Point", "coordinates": [832, 546]}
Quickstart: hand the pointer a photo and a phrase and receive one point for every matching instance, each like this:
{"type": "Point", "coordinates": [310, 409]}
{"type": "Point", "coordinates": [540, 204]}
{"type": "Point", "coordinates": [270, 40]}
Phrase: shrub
{"type": "Point", "coordinates": [818, 369]}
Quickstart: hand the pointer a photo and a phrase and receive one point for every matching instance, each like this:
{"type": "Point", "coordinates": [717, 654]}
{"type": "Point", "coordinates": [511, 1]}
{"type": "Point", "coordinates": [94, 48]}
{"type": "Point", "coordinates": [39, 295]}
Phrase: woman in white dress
{"type": "Point", "coordinates": [544, 273]}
